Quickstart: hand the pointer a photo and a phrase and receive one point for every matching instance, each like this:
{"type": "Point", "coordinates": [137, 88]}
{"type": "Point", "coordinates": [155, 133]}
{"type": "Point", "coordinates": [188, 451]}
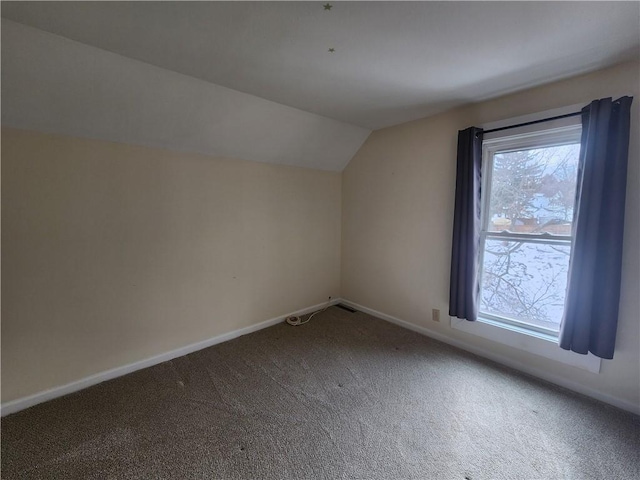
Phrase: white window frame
{"type": "Point", "coordinates": [536, 340]}
{"type": "Point", "coordinates": [540, 138]}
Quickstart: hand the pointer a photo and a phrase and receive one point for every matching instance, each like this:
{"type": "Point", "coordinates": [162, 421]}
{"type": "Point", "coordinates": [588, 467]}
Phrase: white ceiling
{"type": "Point", "coordinates": [394, 61]}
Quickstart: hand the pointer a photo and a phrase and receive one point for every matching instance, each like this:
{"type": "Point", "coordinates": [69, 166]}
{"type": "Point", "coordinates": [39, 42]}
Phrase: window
{"type": "Point", "coordinates": [529, 188]}
{"type": "Point", "coordinates": [529, 178]}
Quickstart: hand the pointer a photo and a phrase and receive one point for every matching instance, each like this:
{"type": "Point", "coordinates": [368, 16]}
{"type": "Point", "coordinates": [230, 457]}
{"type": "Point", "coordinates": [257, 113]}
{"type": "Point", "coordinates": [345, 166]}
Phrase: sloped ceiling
{"type": "Point", "coordinates": [393, 62]}
{"type": "Point", "coordinates": [55, 85]}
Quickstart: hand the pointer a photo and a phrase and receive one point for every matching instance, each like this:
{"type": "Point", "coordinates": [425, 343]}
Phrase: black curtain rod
{"type": "Point", "coordinates": [567, 115]}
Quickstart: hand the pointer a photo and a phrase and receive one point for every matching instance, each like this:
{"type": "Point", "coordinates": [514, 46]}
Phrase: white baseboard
{"type": "Point", "coordinates": [26, 402]}
{"type": "Point", "coordinates": [40, 397]}
{"type": "Point", "coordinates": [545, 375]}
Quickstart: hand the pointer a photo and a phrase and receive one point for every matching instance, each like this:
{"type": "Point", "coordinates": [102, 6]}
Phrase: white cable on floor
{"type": "Point", "coordinates": [297, 321]}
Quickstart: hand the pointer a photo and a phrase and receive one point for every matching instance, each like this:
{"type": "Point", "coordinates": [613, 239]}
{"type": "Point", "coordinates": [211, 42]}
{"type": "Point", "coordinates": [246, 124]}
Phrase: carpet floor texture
{"type": "Point", "coordinates": [344, 396]}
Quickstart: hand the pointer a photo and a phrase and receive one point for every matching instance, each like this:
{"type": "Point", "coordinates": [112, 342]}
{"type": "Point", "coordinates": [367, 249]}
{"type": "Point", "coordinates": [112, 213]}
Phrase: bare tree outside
{"type": "Point", "coordinates": [532, 191]}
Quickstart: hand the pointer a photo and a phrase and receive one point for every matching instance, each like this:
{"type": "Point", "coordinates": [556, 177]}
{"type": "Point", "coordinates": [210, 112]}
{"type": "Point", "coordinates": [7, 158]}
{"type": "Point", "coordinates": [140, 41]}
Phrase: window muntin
{"type": "Point", "coordinates": [529, 195]}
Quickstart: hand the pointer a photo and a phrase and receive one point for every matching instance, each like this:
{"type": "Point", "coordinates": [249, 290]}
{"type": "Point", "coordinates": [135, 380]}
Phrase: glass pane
{"type": "Point", "coordinates": [525, 281]}
{"type": "Point", "coordinates": [533, 191]}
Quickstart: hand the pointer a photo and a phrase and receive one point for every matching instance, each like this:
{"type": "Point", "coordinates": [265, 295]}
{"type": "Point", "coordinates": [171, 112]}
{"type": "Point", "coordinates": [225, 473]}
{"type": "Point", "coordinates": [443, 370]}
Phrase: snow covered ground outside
{"type": "Point", "coordinates": [525, 281]}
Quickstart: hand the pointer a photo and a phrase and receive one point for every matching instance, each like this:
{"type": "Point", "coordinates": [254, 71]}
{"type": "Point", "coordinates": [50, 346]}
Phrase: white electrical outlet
{"type": "Point", "coordinates": [435, 315]}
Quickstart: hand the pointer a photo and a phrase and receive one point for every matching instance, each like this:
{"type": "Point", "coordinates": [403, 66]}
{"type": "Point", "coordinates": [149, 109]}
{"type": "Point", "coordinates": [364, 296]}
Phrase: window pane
{"type": "Point", "coordinates": [533, 191]}
{"type": "Point", "coordinates": [525, 281]}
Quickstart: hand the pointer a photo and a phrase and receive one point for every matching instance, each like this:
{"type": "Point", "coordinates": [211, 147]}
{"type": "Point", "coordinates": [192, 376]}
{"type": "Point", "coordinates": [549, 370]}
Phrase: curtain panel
{"type": "Point", "coordinates": [590, 317]}
{"type": "Point", "coordinates": [464, 284]}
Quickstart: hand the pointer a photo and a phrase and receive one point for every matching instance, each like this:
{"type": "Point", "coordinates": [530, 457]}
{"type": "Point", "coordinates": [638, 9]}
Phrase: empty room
{"type": "Point", "coordinates": [320, 240]}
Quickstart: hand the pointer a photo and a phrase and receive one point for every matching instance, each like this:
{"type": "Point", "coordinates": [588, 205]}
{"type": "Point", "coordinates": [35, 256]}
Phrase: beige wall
{"type": "Point", "coordinates": [114, 253]}
{"type": "Point", "coordinates": [398, 198]}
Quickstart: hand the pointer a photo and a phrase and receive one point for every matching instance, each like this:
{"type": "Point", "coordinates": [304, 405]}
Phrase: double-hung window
{"type": "Point", "coordinates": [528, 192]}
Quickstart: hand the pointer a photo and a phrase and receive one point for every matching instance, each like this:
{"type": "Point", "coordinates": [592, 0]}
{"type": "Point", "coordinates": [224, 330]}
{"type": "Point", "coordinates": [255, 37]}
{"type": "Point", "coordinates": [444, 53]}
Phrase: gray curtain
{"type": "Point", "coordinates": [464, 286]}
{"type": "Point", "coordinates": [591, 310]}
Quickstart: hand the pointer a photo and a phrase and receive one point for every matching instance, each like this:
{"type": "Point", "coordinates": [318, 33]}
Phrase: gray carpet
{"type": "Point", "coordinates": [345, 396]}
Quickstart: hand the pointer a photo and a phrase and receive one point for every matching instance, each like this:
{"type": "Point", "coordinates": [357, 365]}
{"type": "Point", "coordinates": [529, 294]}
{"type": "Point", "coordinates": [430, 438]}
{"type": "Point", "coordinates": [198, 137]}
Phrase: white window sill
{"type": "Point", "coordinates": [532, 342]}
